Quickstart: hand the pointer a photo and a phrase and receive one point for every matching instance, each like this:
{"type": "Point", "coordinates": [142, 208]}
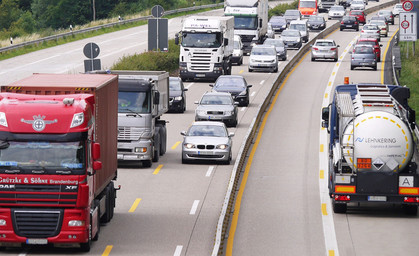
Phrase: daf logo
{"type": "Point", "coordinates": [7, 186]}
{"type": "Point", "coordinates": [38, 122]}
{"type": "Point", "coordinates": [70, 187]}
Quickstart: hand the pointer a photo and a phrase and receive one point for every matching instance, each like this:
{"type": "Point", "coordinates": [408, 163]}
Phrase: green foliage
{"type": "Point", "coordinates": [156, 61]}
{"type": "Point", "coordinates": [9, 13]}
{"type": "Point", "coordinates": [281, 8]}
{"type": "Point", "coordinates": [409, 73]}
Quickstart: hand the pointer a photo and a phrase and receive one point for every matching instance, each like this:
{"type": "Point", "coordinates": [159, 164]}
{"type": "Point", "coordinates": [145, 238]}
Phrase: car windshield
{"type": "Point", "coordinates": [134, 102]}
{"type": "Point", "coordinates": [337, 8]}
{"type": "Point", "coordinates": [245, 22]}
{"type": "Point", "coordinates": [324, 43]}
{"type": "Point", "coordinates": [366, 43]}
{"type": "Point", "coordinates": [364, 50]}
{"type": "Point", "coordinates": [308, 4]}
{"type": "Point", "coordinates": [356, 13]}
{"type": "Point", "coordinates": [216, 100]}
{"type": "Point", "coordinates": [291, 33]}
{"type": "Point", "coordinates": [229, 82]}
{"type": "Point", "coordinates": [207, 130]}
{"type": "Point", "coordinates": [174, 85]}
{"type": "Point", "coordinates": [370, 27]}
{"type": "Point", "coordinates": [202, 40]}
{"type": "Point", "coordinates": [300, 27]}
{"type": "Point", "coordinates": [43, 156]}
{"type": "Point", "coordinates": [378, 22]}
{"type": "Point", "coordinates": [315, 18]}
{"type": "Point", "coordinates": [274, 42]}
{"type": "Point", "coordinates": [236, 45]}
{"type": "Point", "coordinates": [263, 51]}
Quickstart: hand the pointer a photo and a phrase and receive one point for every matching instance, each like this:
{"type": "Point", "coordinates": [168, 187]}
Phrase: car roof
{"type": "Point", "coordinates": [217, 93]}
{"type": "Point", "coordinates": [231, 76]}
{"type": "Point", "coordinates": [174, 78]}
{"type": "Point", "coordinates": [263, 46]}
{"type": "Point", "coordinates": [325, 40]}
{"type": "Point", "coordinates": [298, 21]}
{"type": "Point", "coordinates": [362, 39]}
{"type": "Point", "coordinates": [215, 123]}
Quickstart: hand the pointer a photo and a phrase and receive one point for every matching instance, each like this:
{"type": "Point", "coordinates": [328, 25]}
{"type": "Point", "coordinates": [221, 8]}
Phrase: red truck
{"type": "Point", "coordinates": [58, 159]}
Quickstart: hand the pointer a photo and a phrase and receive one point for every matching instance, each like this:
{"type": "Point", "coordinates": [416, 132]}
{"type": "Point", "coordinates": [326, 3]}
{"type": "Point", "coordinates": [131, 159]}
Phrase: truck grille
{"type": "Point", "coordinates": [201, 62]}
{"type": "Point", "coordinates": [37, 223]}
{"type": "Point", "coordinates": [21, 194]}
{"type": "Point", "coordinates": [247, 38]}
{"type": "Point", "coordinates": [129, 133]}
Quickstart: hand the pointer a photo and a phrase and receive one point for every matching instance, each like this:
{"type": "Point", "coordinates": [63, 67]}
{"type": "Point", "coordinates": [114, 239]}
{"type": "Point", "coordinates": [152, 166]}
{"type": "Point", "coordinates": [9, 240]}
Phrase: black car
{"type": "Point", "coordinates": [349, 22]}
{"type": "Point", "coordinates": [177, 96]}
{"type": "Point", "coordinates": [279, 23]}
{"type": "Point", "coordinates": [235, 85]}
{"type": "Point", "coordinates": [316, 22]}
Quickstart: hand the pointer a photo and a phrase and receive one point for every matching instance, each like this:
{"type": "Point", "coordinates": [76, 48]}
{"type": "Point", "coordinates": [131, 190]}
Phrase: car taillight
{"type": "Point", "coordinates": [341, 22]}
{"type": "Point", "coordinates": [356, 22]}
{"type": "Point", "coordinates": [315, 48]}
{"type": "Point", "coordinates": [333, 49]}
{"type": "Point", "coordinates": [362, 31]}
{"type": "Point", "coordinates": [383, 29]}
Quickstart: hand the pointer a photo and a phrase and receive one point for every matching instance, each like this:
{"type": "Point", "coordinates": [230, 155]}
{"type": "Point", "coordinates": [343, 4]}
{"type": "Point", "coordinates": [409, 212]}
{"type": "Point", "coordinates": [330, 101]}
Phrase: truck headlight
{"type": "Point", "coordinates": [76, 223]}
{"type": "Point", "coordinates": [78, 119]}
{"type": "Point", "coordinates": [222, 146]}
{"type": "Point", "coordinates": [178, 98]}
{"type": "Point", "coordinates": [3, 120]}
{"type": "Point", "coordinates": [140, 150]}
{"type": "Point", "coordinates": [189, 145]}
{"type": "Point", "coordinates": [183, 66]}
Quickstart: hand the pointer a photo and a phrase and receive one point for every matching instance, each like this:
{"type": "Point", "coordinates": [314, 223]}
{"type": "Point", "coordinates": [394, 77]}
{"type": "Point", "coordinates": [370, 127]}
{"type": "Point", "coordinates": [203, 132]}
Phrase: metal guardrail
{"type": "Point", "coordinates": [228, 204]}
{"type": "Point", "coordinates": [85, 30]}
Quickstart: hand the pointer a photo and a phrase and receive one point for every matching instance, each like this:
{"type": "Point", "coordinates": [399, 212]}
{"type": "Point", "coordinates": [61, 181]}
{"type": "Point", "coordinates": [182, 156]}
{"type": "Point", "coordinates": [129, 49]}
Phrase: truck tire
{"type": "Point", "coordinates": [146, 163]}
{"type": "Point", "coordinates": [410, 209]}
{"type": "Point", "coordinates": [163, 137]}
{"type": "Point", "coordinates": [339, 207]}
{"type": "Point", "coordinates": [109, 203]}
{"type": "Point", "coordinates": [156, 147]}
{"type": "Point", "coordinates": [85, 247]}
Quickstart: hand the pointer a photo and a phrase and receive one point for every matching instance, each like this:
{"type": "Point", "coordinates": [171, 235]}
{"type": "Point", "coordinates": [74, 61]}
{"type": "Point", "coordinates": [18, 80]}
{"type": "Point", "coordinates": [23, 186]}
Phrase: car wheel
{"type": "Point", "coordinates": [250, 70]}
{"type": "Point", "coordinates": [379, 59]}
{"type": "Point", "coordinates": [341, 29]}
{"type": "Point", "coordinates": [234, 123]}
{"type": "Point", "coordinates": [375, 67]}
{"type": "Point", "coordinates": [352, 67]}
{"type": "Point", "coordinates": [276, 70]}
{"type": "Point", "coordinates": [335, 60]}
{"type": "Point", "coordinates": [313, 59]}
{"type": "Point", "coordinates": [228, 161]}
{"type": "Point", "coordinates": [357, 29]}
{"type": "Point", "coordinates": [184, 161]}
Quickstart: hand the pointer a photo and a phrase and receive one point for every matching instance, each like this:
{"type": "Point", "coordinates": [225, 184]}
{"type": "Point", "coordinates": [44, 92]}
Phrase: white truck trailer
{"type": "Point", "coordinates": [206, 47]}
{"type": "Point", "coordinates": [250, 20]}
{"type": "Point", "coordinates": [372, 151]}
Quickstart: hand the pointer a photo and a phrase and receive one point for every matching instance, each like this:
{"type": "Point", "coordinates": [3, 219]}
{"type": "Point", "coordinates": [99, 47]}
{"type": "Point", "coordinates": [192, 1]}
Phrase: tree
{"type": "Point", "coordinates": [9, 13]}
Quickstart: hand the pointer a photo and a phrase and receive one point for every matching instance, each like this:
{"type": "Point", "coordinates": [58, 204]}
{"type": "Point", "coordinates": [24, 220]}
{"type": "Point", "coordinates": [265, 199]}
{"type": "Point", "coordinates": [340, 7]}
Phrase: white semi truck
{"type": "Point", "coordinates": [250, 20]}
{"type": "Point", "coordinates": [372, 152]}
{"type": "Point", "coordinates": [206, 47]}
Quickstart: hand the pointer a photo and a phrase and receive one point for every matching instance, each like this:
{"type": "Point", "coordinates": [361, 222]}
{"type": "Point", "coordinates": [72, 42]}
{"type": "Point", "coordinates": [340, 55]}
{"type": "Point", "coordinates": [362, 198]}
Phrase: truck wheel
{"type": "Point", "coordinates": [339, 207]}
{"type": "Point", "coordinates": [410, 209]}
{"type": "Point", "coordinates": [163, 140]}
{"type": "Point", "coordinates": [85, 247]}
{"type": "Point", "coordinates": [108, 204]}
{"type": "Point", "coordinates": [156, 148]}
{"type": "Point", "coordinates": [147, 163]}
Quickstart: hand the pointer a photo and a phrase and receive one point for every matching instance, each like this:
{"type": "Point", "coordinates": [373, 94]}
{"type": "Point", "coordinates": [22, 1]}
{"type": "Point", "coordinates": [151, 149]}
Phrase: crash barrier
{"type": "Point", "coordinates": [396, 60]}
{"type": "Point", "coordinates": [228, 204]}
{"type": "Point", "coordinates": [85, 30]}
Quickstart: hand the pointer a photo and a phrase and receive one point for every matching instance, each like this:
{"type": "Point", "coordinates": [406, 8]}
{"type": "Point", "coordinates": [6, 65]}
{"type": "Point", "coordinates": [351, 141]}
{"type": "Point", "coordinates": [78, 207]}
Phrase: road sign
{"type": "Point", "coordinates": [91, 50]}
{"type": "Point", "coordinates": [408, 26]}
{"type": "Point", "coordinates": [157, 11]}
{"type": "Point", "coordinates": [407, 6]}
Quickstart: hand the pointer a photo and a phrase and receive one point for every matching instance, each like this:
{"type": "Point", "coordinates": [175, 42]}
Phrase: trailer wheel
{"type": "Point", "coordinates": [156, 148]}
{"type": "Point", "coordinates": [339, 207]}
{"type": "Point", "coordinates": [109, 193]}
{"type": "Point", "coordinates": [410, 209]}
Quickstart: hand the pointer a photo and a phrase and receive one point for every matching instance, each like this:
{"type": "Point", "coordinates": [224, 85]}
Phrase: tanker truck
{"type": "Point", "coordinates": [372, 151]}
{"type": "Point", "coordinates": [58, 159]}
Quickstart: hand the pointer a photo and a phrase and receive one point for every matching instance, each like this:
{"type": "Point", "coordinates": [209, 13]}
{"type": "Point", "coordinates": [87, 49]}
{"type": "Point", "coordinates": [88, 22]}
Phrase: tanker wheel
{"type": "Point", "coordinates": [410, 209]}
{"type": "Point", "coordinates": [339, 207]}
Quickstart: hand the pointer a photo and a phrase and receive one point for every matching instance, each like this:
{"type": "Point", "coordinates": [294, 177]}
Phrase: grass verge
{"type": "Point", "coordinates": [409, 73]}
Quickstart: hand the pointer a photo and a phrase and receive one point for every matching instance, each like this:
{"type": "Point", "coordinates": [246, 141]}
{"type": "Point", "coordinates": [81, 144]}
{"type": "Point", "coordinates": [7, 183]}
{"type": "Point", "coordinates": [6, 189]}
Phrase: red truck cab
{"type": "Point", "coordinates": [58, 159]}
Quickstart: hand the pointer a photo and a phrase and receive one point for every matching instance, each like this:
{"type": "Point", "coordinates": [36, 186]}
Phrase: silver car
{"type": "Point", "coordinates": [207, 141]}
{"type": "Point", "coordinates": [370, 31]}
{"type": "Point", "coordinates": [292, 38]}
{"type": "Point", "coordinates": [217, 106]}
{"type": "Point", "coordinates": [281, 51]}
{"type": "Point", "coordinates": [324, 49]}
{"type": "Point", "coordinates": [363, 56]}
{"type": "Point", "coordinates": [336, 12]}
{"type": "Point", "coordinates": [263, 57]}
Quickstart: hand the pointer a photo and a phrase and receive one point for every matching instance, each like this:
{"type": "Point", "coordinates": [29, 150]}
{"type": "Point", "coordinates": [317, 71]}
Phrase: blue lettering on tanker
{"type": "Point", "coordinates": [376, 140]}
{"type": "Point", "coordinates": [8, 163]}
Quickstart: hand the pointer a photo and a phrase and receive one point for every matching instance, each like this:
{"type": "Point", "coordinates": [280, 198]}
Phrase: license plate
{"type": "Point", "coordinates": [205, 153]}
{"type": "Point", "coordinates": [36, 241]}
{"type": "Point", "coordinates": [349, 26]}
{"type": "Point", "coordinates": [377, 198]}
{"type": "Point", "coordinates": [200, 75]}
{"type": "Point", "coordinates": [364, 64]}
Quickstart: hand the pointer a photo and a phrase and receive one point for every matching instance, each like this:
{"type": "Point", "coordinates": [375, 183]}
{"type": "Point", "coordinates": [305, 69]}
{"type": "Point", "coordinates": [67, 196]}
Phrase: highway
{"type": "Point", "coordinates": [173, 209]}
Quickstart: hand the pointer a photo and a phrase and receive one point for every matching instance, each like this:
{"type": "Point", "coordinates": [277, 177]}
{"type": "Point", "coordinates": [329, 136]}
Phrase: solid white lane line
{"type": "Point", "coordinates": [194, 207]}
{"type": "Point", "coordinates": [243, 109]}
{"type": "Point", "coordinates": [253, 94]}
{"type": "Point", "coordinates": [261, 82]}
{"type": "Point", "coordinates": [189, 85]}
{"type": "Point", "coordinates": [210, 169]}
{"type": "Point", "coordinates": [327, 212]}
{"type": "Point", "coordinates": [178, 250]}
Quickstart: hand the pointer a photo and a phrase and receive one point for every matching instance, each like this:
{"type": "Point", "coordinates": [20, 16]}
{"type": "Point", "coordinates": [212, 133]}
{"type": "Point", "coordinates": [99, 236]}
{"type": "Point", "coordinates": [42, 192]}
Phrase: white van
{"type": "Point", "coordinates": [301, 25]}
{"type": "Point", "coordinates": [237, 51]}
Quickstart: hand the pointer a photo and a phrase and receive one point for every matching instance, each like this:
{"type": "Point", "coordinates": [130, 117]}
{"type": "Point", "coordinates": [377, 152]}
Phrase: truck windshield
{"type": "Point", "coordinates": [307, 4]}
{"type": "Point", "coordinates": [201, 40]}
{"type": "Point", "coordinates": [245, 22]}
{"type": "Point", "coordinates": [43, 156]}
{"type": "Point", "coordinates": [134, 102]}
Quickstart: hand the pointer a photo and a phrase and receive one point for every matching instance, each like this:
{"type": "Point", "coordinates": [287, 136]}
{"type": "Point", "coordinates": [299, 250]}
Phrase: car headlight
{"type": "Point", "coordinates": [200, 112]}
{"type": "Point", "coordinates": [284, 26]}
{"type": "Point", "coordinates": [222, 146]}
{"type": "Point", "coordinates": [178, 98]}
{"type": "Point", "coordinates": [298, 39]}
{"type": "Point", "coordinates": [228, 113]}
{"type": "Point", "coordinates": [242, 93]}
{"type": "Point", "coordinates": [189, 145]}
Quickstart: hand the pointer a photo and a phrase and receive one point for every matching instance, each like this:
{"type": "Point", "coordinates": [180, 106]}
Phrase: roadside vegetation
{"type": "Point", "coordinates": [410, 75]}
{"type": "Point", "coordinates": [281, 8]}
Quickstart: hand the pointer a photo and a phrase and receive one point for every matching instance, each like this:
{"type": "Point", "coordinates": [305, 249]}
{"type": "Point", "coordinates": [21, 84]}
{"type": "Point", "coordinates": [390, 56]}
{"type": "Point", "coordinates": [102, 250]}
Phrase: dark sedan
{"type": "Point", "coordinates": [363, 56]}
{"type": "Point", "coordinates": [349, 22]}
{"type": "Point", "coordinates": [177, 96]}
{"type": "Point", "coordinates": [236, 86]}
{"type": "Point", "coordinates": [279, 23]}
{"type": "Point", "coordinates": [316, 22]}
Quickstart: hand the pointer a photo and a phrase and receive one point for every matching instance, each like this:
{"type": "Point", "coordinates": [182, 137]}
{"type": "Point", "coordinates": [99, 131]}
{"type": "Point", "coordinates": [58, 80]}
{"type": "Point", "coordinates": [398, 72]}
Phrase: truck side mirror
{"type": "Point", "coordinates": [97, 165]}
{"type": "Point", "coordinates": [225, 41]}
{"type": "Point", "coordinates": [325, 113]}
{"type": "Point", "coordinates": [411, 116]}
{"type": "Point", "coordinates": [260, 23]}
{"type": "Point", "coordinates": [96, 151]}
{"type": "Point", "coordinates": [156, 97]}
{"type": "Point", "coordinates": [177, 39]}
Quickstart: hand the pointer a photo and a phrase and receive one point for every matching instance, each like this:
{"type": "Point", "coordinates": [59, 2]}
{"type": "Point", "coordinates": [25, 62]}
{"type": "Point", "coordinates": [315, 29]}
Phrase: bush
{"type": "Point", "coordinates": [281, 8]}
{"type": "Point", "coordinates": [154, 61]}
